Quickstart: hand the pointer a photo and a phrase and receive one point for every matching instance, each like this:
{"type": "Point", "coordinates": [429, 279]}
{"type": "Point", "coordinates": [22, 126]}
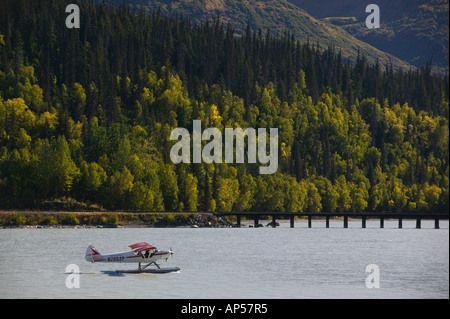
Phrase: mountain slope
{"type": "Point", "coordinates": [274, 16]}
{"type": "Point", "coordinates": [415, 31]}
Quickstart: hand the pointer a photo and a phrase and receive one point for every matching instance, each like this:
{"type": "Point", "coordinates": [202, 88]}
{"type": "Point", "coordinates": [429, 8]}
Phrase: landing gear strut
{"type": "Point", "coordinates": [142, 268]}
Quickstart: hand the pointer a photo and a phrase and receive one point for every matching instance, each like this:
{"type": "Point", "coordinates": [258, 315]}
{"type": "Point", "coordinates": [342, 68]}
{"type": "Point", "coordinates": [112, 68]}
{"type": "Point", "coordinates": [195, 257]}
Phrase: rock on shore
{"type": "Point", "coordinates": [209, 221]}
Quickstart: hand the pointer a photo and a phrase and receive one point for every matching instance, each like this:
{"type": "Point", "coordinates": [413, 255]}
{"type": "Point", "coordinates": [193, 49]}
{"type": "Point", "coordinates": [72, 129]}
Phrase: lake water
{"type": "Point", "coordinates": [234, 263]}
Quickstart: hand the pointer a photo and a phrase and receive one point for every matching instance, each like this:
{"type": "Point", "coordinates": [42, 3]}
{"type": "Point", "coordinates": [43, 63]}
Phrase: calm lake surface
{"type": "Point", "coordinates": [234, 263]}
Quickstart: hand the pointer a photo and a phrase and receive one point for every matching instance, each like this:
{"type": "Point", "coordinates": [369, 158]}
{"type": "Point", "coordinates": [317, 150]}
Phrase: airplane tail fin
{"type": "Point", "coordinates": [92, 254]}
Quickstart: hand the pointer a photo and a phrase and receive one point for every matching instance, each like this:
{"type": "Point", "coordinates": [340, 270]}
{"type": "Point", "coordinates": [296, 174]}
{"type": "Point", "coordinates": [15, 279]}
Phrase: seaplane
{"type": "Point", "coordinates": [142, 253]}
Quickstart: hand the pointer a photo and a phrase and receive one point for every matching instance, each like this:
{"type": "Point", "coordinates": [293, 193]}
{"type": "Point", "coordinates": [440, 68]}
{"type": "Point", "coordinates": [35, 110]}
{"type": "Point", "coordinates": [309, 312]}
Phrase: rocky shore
{"type": "Point", "coordinates": [110, 220]}
{"type": "Point", "coordinates": [209, 221]}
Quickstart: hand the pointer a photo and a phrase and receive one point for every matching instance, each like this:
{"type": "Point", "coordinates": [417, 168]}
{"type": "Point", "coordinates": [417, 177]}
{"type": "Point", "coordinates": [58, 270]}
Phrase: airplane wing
{"type": "Point", "coordinates": [141, 247]}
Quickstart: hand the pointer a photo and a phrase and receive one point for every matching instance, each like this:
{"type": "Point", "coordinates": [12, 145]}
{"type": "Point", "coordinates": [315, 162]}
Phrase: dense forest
{"type": "Point", "coordinates": [86, 115]}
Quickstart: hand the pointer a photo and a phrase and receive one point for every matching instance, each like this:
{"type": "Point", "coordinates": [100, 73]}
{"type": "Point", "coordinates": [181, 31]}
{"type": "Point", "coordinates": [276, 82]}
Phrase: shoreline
{"type": "Point", "coordinates": [101, 219]}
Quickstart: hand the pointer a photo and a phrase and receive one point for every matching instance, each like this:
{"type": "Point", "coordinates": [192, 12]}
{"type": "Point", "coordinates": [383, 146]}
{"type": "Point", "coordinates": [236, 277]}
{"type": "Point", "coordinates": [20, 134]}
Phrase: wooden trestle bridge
{"type": "Point", "coordinates": [381, 216]}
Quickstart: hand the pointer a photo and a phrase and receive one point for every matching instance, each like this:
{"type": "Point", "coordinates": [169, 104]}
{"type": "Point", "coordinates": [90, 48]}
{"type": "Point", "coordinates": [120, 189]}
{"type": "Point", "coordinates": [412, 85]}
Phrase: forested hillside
{"type": "Point", "coordinates": [86, 114]}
